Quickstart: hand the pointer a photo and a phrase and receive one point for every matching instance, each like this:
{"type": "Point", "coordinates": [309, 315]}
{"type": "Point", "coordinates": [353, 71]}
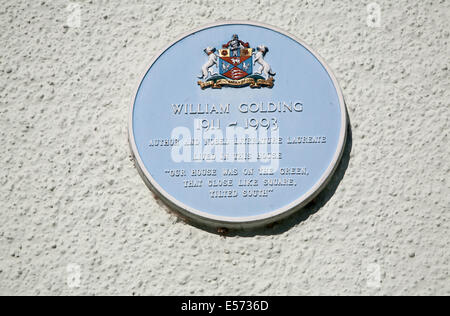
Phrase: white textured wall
{"type": "Point", "coordinates": [72, 202]}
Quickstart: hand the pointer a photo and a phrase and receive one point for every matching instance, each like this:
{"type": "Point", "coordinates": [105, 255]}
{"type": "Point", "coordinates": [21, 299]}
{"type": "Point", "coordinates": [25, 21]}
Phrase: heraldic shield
{"type": "Point", "coordinates": [235, 63]}
{"type": "Point", "coordinates": [236, 67]}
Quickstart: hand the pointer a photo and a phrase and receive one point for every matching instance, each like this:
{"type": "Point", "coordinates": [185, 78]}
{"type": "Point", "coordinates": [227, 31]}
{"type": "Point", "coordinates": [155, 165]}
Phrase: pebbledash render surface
{"type": "Point", "coordinates": [77, 219]}
{"type": "Point", "coordinates": [255, 139]}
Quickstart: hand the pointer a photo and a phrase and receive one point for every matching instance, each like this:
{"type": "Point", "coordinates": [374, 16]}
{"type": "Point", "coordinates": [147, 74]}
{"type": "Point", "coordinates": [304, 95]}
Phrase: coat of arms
{"type": "Point", "coordinates": [234, 66]}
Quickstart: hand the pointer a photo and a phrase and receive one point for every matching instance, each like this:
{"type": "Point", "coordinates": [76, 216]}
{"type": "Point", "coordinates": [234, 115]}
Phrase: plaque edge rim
{"type": "Point", "coordinates": [246, 221]}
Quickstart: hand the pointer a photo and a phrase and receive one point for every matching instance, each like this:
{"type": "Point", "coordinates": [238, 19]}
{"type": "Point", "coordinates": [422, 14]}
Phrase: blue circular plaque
{"type": "Point", "coordinates": [237, 124]}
